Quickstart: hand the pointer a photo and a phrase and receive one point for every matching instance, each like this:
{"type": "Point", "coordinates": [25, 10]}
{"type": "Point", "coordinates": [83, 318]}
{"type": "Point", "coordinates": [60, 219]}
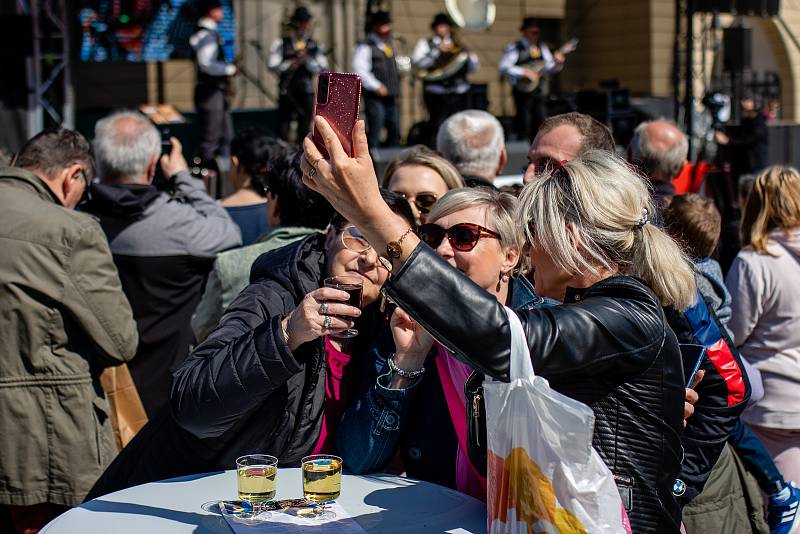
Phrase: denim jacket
{"type": "Point", "coordinates": [371, 428]}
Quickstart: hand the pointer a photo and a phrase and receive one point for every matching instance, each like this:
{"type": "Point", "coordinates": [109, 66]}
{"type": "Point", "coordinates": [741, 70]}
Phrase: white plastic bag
{"type": "Point", "coordinates": [543, 474]}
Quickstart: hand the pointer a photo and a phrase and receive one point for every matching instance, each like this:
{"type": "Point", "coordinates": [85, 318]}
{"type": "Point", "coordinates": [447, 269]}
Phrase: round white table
{"type": "Point", "coordinates": [378, 503]}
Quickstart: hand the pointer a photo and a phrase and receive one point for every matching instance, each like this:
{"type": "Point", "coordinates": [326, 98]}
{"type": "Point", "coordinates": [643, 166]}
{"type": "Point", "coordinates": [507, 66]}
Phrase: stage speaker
{"type": "Point", "coordinates": [766, 8]}
{"type": "Point", "coordinates": [737, 43]}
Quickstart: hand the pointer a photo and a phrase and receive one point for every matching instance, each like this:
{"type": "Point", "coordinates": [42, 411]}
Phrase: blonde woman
{"type": "Point", "coordinates": [765, 317]}
{"type": "Point", "coordinates": [474, 230]}
{"type": "Point", "coordinates": [423, 177]}
{"type": "Point", "coordinates": [592, 246]}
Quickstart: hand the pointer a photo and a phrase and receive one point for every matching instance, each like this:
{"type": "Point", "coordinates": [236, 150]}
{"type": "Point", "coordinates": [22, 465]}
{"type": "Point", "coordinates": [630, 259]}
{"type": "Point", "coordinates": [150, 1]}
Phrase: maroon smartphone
{"type": "Point", "coordinates": [338, 98]}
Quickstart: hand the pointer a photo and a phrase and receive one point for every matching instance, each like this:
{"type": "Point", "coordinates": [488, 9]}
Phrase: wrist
{"type": "Point", "coordinates": [407, 373]}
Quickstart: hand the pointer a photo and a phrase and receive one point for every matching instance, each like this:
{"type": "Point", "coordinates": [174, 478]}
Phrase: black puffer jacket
{"type": "Point", "coordinates": [608, 346]}
{"type": "Point", "coordinates": [242, 390]}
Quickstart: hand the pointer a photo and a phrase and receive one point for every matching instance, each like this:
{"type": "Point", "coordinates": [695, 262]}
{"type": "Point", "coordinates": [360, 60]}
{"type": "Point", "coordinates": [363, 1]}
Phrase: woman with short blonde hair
{"type": "Point", "coordinates": [765, 310]}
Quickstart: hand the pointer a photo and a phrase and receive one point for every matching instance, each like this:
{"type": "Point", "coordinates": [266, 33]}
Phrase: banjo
{"type": "Point", "coordinates": [526, 85]}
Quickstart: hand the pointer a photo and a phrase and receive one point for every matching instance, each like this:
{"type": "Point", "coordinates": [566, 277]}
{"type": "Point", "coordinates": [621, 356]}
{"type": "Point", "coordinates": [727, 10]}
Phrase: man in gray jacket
{"type": "Point", "coordinates": [163, 245]}
{"type": "Point", "coordinates": [63, 317]}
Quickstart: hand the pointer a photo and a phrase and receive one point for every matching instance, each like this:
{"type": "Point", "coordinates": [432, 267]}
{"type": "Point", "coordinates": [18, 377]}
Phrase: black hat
{"type": "Point", "coordinates": [529, 22]}
{"type": "Point", "coordinates": [379, 18]}
{"type": "Point", "coordinates": [442, 18]}
{"type": "Point", "coordinates": [301, 14]}
{"type": "Point", "coordinates": [208, 5]}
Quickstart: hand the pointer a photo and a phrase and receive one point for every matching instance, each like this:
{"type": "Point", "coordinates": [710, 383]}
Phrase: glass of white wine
{"type": "Point", "coordinates": [256, 476]}
{"type": "Point", "coordinates": [322, 482]}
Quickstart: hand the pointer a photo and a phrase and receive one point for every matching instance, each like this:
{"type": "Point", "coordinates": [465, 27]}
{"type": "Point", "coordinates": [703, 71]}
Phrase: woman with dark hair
{"type": "Point", "coordinates": [252, 151]}
{"type": "Point", "coordinates": [271, 377]}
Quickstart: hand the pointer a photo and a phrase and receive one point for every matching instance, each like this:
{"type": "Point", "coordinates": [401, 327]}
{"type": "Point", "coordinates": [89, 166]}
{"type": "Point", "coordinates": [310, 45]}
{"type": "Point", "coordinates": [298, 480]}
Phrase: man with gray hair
{"type": "Point", "coordinates": [163, 245]}
{"type": "Point", "coordinates": [659, 149]}
{"type": "Point", "coordinates": [473, 141]}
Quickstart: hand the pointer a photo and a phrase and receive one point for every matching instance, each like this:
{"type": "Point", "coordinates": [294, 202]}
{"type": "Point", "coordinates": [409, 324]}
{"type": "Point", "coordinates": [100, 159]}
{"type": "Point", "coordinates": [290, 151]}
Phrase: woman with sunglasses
{"type": "Point", "coordinates": [272, 377]}
{"type": "Point", "coordinates": [591, 245]}
{"type": "Point", "coordinates": [473, 230]}
{"type": "Point", "coordinates": [423, 177]}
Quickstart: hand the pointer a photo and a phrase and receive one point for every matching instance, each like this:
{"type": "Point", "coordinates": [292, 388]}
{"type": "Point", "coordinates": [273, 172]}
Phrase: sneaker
{"type": "Point", "coordinates": [784, 516]}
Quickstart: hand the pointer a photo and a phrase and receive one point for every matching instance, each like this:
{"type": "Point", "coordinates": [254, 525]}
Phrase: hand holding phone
{"type": "Point", "coordinates": [693, 359]}
{"type": "Point", "coordinates": [338, 98]}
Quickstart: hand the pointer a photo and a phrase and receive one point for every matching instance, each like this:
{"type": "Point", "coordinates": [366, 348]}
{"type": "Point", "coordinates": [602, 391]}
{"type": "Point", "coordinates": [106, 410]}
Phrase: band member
{"type": "Point", "coordinates": [296, 58]}
{"type": "Point", "coordinates": [526, 62]}
{"type": "Point", "coordinates": [374, 59]}
{"type": "Point", "coordinates": [443, 64]}
{"type": "Point", "coordinates": [213, 74]}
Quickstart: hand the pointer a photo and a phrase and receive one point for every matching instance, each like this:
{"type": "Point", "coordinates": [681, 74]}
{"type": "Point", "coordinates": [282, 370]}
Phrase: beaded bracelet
{"type": "Point", "coordinates": [403, 373]}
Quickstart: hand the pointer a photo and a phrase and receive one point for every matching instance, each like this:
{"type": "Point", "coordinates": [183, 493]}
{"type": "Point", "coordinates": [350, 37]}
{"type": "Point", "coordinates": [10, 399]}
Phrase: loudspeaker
{"type": "Point", "coordinates": [737, 43]}
{"type": "Point", "coordinates": [766, 8]}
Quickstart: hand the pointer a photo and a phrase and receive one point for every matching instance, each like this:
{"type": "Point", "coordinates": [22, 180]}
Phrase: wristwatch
{"type": "Point", "coordinates": [394, 249]}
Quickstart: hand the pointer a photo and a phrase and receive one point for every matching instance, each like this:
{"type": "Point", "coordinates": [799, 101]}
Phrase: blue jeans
{"type": "Point", "coordinates": [381, 112]}
{"type": "Point", "coordinates": [756, 458]}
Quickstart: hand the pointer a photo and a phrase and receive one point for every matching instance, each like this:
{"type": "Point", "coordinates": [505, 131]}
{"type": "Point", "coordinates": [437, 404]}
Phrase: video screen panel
{"type": "Point", "coordinates": [145, 30]}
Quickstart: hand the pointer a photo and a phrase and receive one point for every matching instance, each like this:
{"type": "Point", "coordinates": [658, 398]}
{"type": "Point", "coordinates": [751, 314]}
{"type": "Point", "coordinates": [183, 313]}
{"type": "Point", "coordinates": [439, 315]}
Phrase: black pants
{"type": "Point", "coordinates": [381, 112]}
{"type": "Point", "coordinates": [530, 108]}
{"type": "Point", "coordinates": [216, 124]}
{"type": "Point", "coordinates": [299, 105]}
{"type": "Point", "coordinates": [441, 106]}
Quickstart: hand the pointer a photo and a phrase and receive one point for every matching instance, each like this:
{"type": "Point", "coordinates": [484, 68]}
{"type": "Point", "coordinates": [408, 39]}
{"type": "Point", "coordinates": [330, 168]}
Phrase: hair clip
{"type": "Point", "coordinates": [645, 218]}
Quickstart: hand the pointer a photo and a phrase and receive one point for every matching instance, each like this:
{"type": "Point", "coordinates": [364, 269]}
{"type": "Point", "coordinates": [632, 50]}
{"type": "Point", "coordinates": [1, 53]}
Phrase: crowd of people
{"type": "Point", "coordinates": [220, 312]}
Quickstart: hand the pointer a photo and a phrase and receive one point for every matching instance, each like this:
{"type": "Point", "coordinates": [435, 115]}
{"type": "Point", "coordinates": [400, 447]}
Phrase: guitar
{"type": "Point", "coordinates": [526, 85]}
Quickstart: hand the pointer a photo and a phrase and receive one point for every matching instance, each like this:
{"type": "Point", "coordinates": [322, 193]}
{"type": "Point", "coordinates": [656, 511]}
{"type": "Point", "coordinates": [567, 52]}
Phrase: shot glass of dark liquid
{"type": "Point", "coordinates": [354, 287]}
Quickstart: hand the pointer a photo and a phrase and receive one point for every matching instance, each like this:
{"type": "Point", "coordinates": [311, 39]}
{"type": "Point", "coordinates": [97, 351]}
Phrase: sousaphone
{"type": "Point", "coordinates": [471, 14]}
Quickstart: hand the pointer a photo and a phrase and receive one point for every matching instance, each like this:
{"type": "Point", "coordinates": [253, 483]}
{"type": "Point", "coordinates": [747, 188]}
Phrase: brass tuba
{"type": "Point", "coordinates": [472, 14]}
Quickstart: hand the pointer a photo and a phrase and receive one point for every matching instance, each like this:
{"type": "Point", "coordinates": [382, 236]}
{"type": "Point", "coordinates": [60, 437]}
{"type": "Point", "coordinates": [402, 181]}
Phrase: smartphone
{"type": "Point", "coordinates": [338, 99]}
{"type": "Point", "coordinates": [693, 358]}
{"type": "Point", "coordinates": [166, 143]}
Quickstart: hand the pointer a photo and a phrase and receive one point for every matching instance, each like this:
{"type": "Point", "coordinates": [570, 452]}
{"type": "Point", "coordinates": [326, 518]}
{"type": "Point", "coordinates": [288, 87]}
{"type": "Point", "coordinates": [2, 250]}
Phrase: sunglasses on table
{"type": "Point", "coordinates": [463, 236]}
{"type": "Point", "coordinates": [423, 201]}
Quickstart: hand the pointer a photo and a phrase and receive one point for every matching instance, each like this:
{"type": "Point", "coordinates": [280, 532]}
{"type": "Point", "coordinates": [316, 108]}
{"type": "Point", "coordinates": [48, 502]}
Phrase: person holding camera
{"type": "Point", "coordinates": [163, 244]}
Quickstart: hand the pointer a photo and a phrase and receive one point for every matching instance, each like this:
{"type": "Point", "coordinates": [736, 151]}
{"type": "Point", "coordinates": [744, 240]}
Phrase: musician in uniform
{"type": "Point", "coordinates": [443, 64]}
{"type": "Point", "coordinates": [213, 78]}
{"type": "Point", "coordinates": [296, 58]}
{"type": "Point", "coordinates": [526, 62]}
{"type": "Point", "coordinates": [374, 59]}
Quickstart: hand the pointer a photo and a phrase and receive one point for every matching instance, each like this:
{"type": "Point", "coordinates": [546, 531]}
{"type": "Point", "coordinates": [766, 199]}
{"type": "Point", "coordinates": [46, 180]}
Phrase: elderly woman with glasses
{"type": "Point", "coordinates": [417, 403]}
{"type": "Point", "coordinates": [274, 377]}
{"type": "Point", "coordinates": [592, 247]}
{"type": "Point", "coordinates": [423, 177]}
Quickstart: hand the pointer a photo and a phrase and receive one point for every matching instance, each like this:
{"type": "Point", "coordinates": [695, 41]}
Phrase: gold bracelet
{"type": "Point", "coordinates": [394, 249]}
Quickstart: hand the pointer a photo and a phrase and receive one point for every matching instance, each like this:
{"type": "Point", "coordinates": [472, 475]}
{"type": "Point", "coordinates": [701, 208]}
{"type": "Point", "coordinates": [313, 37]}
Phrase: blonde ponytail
{"type": "Point", "coordinates": [601, 198]}
{"type": "Point", "coordinates": [659, 261]}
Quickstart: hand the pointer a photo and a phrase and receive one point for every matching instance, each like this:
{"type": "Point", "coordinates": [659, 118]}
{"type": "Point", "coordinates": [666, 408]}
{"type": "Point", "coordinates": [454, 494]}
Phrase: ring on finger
{"type": "Point", "coordinates": [312, 171]}
{"type": "Point", "coordinates": [326, 324]}
{"type": "Point", "coordinates": [323, 308]}
{"type": "Point", "coordinates": [316, 162]}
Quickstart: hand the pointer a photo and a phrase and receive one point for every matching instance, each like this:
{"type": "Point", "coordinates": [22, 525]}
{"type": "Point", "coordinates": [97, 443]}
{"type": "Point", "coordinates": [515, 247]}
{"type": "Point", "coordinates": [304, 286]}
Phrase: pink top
{"type": "Point", "coordinates": [453, 374]}
{"type": "Point", "coordinates": [336, 397]}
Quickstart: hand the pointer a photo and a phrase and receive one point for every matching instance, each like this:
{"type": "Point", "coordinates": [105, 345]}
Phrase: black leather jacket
{"type": "Point", "coordinates": [608, 346]}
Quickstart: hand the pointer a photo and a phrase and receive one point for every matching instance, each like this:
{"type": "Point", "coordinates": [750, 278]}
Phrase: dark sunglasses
{"type": "Point", "coordinates": [462, 236]}
{"type": "Point", "coordinates": [423, 201]}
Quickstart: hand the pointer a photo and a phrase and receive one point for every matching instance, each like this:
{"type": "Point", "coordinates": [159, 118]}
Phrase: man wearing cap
{"type": "Point", "coordinates": [516, 64]}
{"type": "Point", "coordinates": [374, 59]}
{"type": "Point", "coordinates": [296, 58]}
{"type": "Point", "coordinates": [213, 74]}
{"type": "Point", "coordinates": [444, 57]}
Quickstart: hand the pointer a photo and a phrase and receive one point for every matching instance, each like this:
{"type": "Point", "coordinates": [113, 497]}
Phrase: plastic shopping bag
{"type": "Point", "coordinates": [543, 474]}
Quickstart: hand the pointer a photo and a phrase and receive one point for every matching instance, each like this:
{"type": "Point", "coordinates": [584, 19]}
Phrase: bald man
{"type": "Point", "coordinates": [659, 149]}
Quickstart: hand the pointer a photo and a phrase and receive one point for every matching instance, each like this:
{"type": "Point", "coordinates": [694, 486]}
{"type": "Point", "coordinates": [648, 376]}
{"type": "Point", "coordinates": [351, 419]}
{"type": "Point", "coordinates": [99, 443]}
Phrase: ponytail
{"type": "Point", "coordinates": [658, 260]}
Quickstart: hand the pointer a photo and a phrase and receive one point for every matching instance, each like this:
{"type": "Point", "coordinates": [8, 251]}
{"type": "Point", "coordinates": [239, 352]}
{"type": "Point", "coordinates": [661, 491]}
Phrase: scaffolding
{"type": "Point", "coordinates": [51, 98]}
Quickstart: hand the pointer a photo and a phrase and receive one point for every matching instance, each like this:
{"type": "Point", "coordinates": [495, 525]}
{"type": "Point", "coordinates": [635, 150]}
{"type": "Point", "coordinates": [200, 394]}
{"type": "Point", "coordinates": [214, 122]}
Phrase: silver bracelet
{"type": "Point", "coordinates": [403, 373]}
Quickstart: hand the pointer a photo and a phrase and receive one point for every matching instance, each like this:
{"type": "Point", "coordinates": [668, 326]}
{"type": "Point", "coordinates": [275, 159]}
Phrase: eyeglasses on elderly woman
{"type": "Point", "coordinates": [462, 237]}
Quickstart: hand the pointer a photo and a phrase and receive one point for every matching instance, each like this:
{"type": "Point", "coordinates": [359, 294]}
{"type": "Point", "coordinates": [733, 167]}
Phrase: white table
{"type": "Point", "coordinates": [379, 503]}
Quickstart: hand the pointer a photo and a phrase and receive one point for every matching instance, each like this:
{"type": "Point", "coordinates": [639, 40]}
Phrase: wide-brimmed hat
{"type": "Point", "coordinates": [301, 14]}
{"type": "Point", "coordinates": [379, 18]}
{"type": "Point", "coordinates": [442, 18]}
{"type": "Point", "coordinates": [529, 22]}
